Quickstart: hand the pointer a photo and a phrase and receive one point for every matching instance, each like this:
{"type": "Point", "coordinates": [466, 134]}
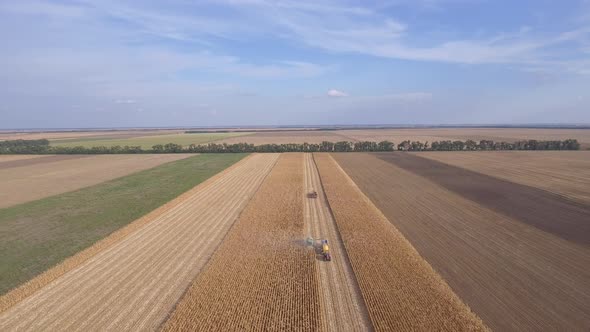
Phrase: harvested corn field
{"type": "Point", "coordinates": [343, 308]}
{"type": "Point", "coordinates": [513, 275]}
{"type": "Point", "coordinates": [262, 277]}
{"type": "Point", "coordinates": [400, 289]}
{"type": "Point", "coordinates": [566, 173]}
{"type": "Point", "coordinates": [133, 284]}
{"type": "Point", "coordinates": [45, 176]}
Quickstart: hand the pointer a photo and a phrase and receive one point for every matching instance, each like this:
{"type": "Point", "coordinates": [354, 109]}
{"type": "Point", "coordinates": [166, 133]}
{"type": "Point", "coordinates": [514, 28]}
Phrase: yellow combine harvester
{"type": "Point", "coordinates": [321, 248]}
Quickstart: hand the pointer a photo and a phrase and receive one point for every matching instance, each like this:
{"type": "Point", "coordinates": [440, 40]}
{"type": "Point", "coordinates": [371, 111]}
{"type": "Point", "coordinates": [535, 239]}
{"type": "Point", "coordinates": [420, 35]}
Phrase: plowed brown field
{"type": "Point", "coordinates": [51, 175]}
{"type": "Point", "coordinates": [262, 278]}
{"type": "Point", "coordinates": [135, 283]}
{"type": "Point", "coordinates": [513, 275]}
{"type": "Point", "coordinates": [566, 173]}
{"type": "Point", "coordinates": [400, 289]}
{"type": "Point", "coordinates": [342, 307]}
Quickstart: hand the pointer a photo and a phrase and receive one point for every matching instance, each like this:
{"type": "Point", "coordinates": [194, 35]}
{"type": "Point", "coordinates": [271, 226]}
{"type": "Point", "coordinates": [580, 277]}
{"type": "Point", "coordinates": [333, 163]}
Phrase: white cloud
{"type": "Point", "coordinates": [125, 101]}
{"type": "Point", "coordinates": [336, 93]}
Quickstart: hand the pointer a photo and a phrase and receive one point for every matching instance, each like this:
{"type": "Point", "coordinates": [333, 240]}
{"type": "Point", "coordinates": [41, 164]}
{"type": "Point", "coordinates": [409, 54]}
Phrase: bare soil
{"type": "Point", "coordinates": [566, 173]}
{"type": "Point", "coordinates": [539, 208]}
{"type": "Point", "coordinates": [39, 160]}
{"type": "Point", "coordinates": [514, 276]}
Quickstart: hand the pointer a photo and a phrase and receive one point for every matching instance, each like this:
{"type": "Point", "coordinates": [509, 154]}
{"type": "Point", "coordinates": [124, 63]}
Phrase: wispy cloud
{"type": "Point", "coordinates": [336, 93]}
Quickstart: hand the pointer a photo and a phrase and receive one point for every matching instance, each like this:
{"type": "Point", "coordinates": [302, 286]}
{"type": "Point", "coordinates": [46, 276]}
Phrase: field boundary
{"type": "Point", "coordinates": [401, 289]}
{"type": "Point", "coordinates": [30, 287]}
{"type": "Point", "coordinates": [206, 265]}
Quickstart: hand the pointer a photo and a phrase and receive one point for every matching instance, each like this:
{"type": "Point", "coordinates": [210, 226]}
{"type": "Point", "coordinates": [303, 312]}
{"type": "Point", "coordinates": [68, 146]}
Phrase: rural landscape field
{"type": "Point", "coordinates": [294, 165]}
{"type": "Point", "coordinates": [455, 241]}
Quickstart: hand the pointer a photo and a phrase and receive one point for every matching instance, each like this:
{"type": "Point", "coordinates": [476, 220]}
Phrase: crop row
{"type": "Point", "coordinates": [401, 291]}
{"type": "Point", "coordinates": [261, 277]}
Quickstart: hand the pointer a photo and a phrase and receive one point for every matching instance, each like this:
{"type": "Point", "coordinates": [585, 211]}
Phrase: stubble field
{"type": "Point", "coordinates": [27, 179]}
{"type": "Point", "coordinates": [432, 241]}
{"type": "Point", "coordinates": [133, 284]}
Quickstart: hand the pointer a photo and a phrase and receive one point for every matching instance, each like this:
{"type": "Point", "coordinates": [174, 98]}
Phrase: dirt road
{"type": "Point", "coordinates": [134, 284]}
{"type": "Point", "coordinates": [342, 303]}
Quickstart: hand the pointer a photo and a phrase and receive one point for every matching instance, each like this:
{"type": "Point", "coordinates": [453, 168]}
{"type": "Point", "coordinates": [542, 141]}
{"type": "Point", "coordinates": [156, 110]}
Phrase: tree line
{"type": "Point", "coordinates": [42, 146]}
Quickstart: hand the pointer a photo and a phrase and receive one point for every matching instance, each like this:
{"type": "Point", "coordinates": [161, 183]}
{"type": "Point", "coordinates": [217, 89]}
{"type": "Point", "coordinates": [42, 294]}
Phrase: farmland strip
{"type": "Point", "coordinates": [566, 173]}
{"type": "Point", "coordinates": [262, 277]}
{"type": "Point", "coordinates": [400, 289]}
{"type": "Point", "coordinates": [134, 284]}
{"type": "Point", "coordinates": [343, 307]}
{"type": "Point", "coordinates": [514, 276]}
{"type": "Point", "coordinates": [38, 160]}
{"type": "Point", "coordinates": [539, 208]}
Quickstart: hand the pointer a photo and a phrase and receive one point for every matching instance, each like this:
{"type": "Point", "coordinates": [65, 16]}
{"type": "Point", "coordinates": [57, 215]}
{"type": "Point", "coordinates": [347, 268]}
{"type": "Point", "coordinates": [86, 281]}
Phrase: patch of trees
{"type": "Point", "coordinates": [42, 147]}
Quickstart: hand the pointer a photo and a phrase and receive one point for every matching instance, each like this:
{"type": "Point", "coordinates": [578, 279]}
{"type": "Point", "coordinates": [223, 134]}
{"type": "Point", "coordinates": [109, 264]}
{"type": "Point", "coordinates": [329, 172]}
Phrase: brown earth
{"type": "Point", "coordinates": [514, 276]}
{"type": "Point", "coordinates": [400, 289]}
{"type": "Point", "coordinates": [262, 278]}
{"type": "Point", "coordinates": [542, 209]}
{"type": "Point", "coordinates": [343, 308]}
{"type": "Point", "coordinates": [134, 283]}
{"type": "Point", "coordinates": [11, 157]}
{"type": "Point", "coordinates": [39, 160]}
{"type": "Point", "coordinates": [37, 179]}
{"type": "Point", "coordinates": [566, 173]}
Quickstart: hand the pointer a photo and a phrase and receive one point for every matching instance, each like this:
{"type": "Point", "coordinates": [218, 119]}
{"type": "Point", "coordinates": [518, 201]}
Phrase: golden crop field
{"type": "Point", "coordinates": [447, 241]}
{"type": "Point", "coordinates": [262, 278]}
{"type": "Point", "coordinates": [400, 289]}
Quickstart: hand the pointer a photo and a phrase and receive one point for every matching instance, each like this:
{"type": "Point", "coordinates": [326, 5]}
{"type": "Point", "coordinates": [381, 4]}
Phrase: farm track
{"type": "Point", "coordinates": [514, 276]}
{"type": "Point", "coordinates": [343, 307]}
{"type": "Point", "coordinates": [262, 277]}
{"type": "Point", "coordinates": [400, 289]}
{"type": "Point", "coordinates": [134, 284]}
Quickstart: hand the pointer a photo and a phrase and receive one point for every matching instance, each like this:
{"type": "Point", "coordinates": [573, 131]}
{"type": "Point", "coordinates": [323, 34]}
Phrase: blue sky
{"type": "Point", "coordinates": [261, 62]}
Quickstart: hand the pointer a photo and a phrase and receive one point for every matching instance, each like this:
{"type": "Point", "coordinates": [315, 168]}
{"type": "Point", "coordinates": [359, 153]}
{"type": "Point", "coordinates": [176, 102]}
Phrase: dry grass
{"type": "Point", "coordinates": [134, 283]}
{"type": "Point", "coordinates": [262, 278]}
{"type": "Point", "coordinates": [400, 289]}
{"type": "Point", "coordinates": [566, 173]}
{"type": "Point", "coordinates": [27, 183]}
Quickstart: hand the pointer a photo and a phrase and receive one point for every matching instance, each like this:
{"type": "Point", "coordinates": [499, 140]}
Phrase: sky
{"type": "Point", "coordinates": [78, 63]}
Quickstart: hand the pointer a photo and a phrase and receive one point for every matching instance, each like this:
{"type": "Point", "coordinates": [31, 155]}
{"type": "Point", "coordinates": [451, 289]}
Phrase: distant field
{"type": "Point", "coordinates": [26, 180]}
{"type": "Point", "coordinates": [565, 173]}
{"type": "Point", "coordinates": [105, 134]}
{"type": "Point", "coordinates": [399, 135]}
{"type": "Point", "coordinates": [146, 142]}
{"type": "Point", "coordinates": [37, 235]}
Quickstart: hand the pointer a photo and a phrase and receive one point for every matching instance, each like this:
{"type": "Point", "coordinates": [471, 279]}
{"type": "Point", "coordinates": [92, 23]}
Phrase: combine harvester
{"type": "Point", "coordinates": [321, 247]}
